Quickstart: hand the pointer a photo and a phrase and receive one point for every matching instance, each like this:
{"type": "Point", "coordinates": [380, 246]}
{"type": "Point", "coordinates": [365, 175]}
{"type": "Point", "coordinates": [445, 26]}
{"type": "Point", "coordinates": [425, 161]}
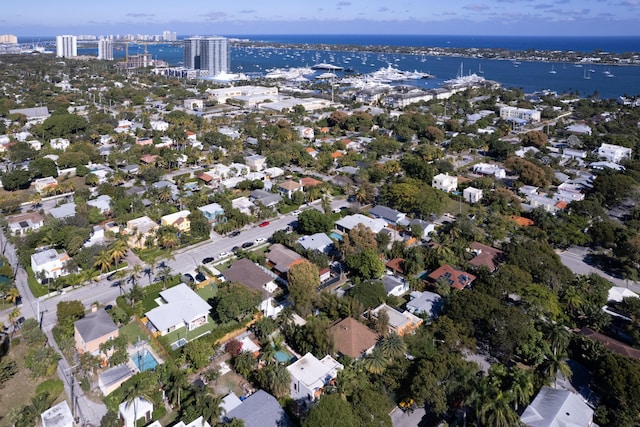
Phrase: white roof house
{"type": "Point", "coordinates": [309, 376]}
{"type": "Point", "coordinates": [351, 221]}
{"type": "Point", "coordinates": [50, 262]}
{"type": "Point", "coordinates": [445, 182]}
{"type": "Point", "coordinates": [472, 195]}
{"type": "Point", "coordinates": [130, 412]}
{"type": "Point", "coordinates": [43, 184]}
{"type": "Point", "coordinates": [614, 153]}
{"type": "Point", "coordinates": [519, 114]}
{"type": "Point", "coordinates": [425, 302]}
{"type": "Point", "coordinates": [58, 416]}
{"type": "Point", "coordinates": [180, 307]}
{"type": "Point", "coordinates": [59, 143]}
{"type": "Point", "coordinates": [489, 169]}
{"type": "Point", "coordinates": [618, 293]}
{"type": "Point", "coordinates": [102, 202]}
{"type": "Point", "coordinates": [555, 408]}
{"type": "Point", "coordinates": [319, 242]}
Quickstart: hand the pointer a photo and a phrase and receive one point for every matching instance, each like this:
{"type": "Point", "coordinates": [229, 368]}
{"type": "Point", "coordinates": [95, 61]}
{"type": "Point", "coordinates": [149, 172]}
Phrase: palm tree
{"type": "Point", "coordinates": [135, 295]}
{"type": "Point", "coordinates": [103, 261]}
{"type": "Point", "coordinates": [556, 363]}
{"type": "Point", "coordinates": [165, 195]}
{"type": "Point", "coordinates": [118, 250]}
{"type": "Point", "coordinates": [393, 346]}
{"type": "Point", "coordinates": [13, 294]}
{"type": "Point", "coordinates": [376, 362]}
{"type": "Point", "coordinates": [558, 337]}
{"type": "Point", "coordinates": [521, 386]}
{"type": "Point", "coordinates": [497, 412]}
{"type": "Point", "coordinates": [178, 383]}
{"type": "Point", "coordinates": [136, 271]}
{"type": "Point", "coordinates": [278, 380]}
{"type": "Point", "coordinates": [207, 405]}
{"type": "Point", "coordinates": [143, 388]}
{"type": "Point", "coordinates": [13, 319]}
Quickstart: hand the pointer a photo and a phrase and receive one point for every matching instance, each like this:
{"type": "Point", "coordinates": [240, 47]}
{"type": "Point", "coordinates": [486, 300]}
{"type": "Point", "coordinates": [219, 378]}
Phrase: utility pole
{"type": "Point", "coordinates": [71, 385]}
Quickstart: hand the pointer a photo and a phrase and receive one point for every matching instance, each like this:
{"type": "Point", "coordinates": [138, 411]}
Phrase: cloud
{"type": "Point", "coordinates": [343, 4]}
{"type": "Point", "coordinates": [140, 15]}
{"type": "Point", "coordinates": [247, 11]}
{"type": "Point", "coordinates": [383, 9]}
{"type": "Point", "coordinates": [215, 15]}
{"type": "Point", "coordinates": [629, 3]}
{"type": "Point", "coordinates": [543, 6]}
{"type": "Point", "coordinates": [476, 7]}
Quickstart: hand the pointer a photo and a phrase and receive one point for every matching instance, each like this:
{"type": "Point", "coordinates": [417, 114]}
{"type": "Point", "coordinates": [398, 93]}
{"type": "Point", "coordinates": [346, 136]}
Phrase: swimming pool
{"type": "Point", "coordinates": [283, 356]}
{"type": "Point", "coordinates": [144, 360]}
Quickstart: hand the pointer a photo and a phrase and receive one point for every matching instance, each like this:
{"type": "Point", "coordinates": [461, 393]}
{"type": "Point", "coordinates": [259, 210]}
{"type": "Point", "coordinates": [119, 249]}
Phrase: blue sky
{"type": "Point", "coordinates": [190, 17]}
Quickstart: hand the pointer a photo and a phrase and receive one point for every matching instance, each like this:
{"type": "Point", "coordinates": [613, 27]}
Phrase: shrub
{"type": "Point", "coordinates": [52, 388]}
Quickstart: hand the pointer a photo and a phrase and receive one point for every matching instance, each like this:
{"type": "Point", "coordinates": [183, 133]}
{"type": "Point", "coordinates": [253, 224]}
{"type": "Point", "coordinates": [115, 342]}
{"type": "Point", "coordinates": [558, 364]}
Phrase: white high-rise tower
{"type": "Point", "coordinates": [66, 46]}
{"type": "Point", "coordinates": [214, 55]}
{"type": "Point", "coordinates": [105, 49]}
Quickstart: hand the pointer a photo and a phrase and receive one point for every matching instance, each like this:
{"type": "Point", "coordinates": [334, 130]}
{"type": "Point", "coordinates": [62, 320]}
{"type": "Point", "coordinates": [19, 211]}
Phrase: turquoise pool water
{"type": "Point", "coordinates": [283, 356]}
{"type": "Point", "coordinates": [144, 360]}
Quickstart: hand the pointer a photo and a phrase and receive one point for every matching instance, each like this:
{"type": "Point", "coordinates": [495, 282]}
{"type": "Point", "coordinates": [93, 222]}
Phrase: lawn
{"type": "Point", "coordinates": [455, 206]}
{"type": "Point", "coordinates": [133, 331]}
{"type": "Point", "coordinates": [182, 333]}
{"type": "Point", "coordinates": [37, 289]}
{"type": "Point", "coordinates": [208, 291]}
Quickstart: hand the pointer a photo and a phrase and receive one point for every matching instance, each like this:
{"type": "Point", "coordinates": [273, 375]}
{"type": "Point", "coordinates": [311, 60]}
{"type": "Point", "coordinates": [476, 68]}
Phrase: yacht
{"type": "Point", "coordinates": [552, 70]}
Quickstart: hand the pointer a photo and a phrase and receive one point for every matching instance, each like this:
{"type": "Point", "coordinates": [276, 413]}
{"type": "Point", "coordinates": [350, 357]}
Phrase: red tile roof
{"type": "Point", "coordinates": [458, 279]}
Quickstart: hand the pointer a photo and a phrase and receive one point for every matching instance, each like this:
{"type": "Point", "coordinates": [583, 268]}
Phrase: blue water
{"type": "Point", "coordinates": [145, 360]}
{"type": "Point", "coordinates": [529, 76]}
{"type": "Point", "coordinates": [283, 356]}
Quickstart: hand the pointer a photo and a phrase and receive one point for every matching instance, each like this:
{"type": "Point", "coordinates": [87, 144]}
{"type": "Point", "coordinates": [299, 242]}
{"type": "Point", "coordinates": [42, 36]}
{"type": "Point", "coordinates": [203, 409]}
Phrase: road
{"type": "Point", "coordinates": [574, 257]}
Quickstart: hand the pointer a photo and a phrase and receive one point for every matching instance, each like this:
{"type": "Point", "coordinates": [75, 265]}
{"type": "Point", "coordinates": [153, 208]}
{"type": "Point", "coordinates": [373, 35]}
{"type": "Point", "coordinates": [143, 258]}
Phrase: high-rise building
{"type": "Point", "coordinates": [207, 53]}
{"type": "Point", "coordinates": [66, 46]}
{"type": "Point", "coordinates": [169, 36]}
{"type": "Point", "coordinates": [105, 49]}
{"type": "Point", "coordinates": [8, 39]}
{"type": "Point", "coordinates": [214, 55]}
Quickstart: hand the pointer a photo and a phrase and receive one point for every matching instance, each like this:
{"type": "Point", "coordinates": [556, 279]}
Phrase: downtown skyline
{"type": "Point", "coordinates": [463, 17]}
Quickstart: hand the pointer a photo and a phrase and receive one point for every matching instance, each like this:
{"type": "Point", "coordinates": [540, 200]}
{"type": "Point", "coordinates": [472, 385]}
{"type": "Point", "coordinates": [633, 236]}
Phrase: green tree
{"type": "Point", "coordinates": [196, 353]}
{"type": "Point", "coordinates": [326, 409]}
{"type": "Point", "coordinates": [235, 302]}
{"type": "Point", "coordinates": [43, 167]}
{"type": "Point", "coordinates": [366, 264]}
{"type": "Point", "coordinates": [16, 180]}
{"type": "Point", "coordinates": [312, 221]}
{"type": "Point", "coordinates": [303, 280]}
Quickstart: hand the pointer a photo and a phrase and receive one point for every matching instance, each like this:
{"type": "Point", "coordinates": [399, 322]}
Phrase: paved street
{"type": "Point", "coordinates": [574, 257]}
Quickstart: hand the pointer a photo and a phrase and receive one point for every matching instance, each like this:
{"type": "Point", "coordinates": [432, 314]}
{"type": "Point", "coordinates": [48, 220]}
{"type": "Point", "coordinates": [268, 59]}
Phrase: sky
{"type": "Point", "coordinates": [206, 17]}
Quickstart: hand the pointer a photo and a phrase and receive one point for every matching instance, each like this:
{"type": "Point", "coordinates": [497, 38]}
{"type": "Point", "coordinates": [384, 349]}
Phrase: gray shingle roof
{"type": "Point", "coordinates": [95, 325]}
{"type": "Point", "coordinates": [260, 410]}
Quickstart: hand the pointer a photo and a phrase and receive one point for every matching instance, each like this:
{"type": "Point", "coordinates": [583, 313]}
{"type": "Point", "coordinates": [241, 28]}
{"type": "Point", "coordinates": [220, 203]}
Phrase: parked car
{"type": "Point", "coordinates": [189, 277]}
{"type": "Point", "coordinates": [246, 245]}
{"type": "Point", "coordinates": [224, 255]}
{"type": "Point", "coordinates": [264, 224]}
{"type": "Point", "coordinates": [260, 240]}
{"type": "Point", "coordinates": [200, 277]}
{"type": "Point", "coordinates": [234, 233]}
{"type": "Point", "coordinates": [207, 260]}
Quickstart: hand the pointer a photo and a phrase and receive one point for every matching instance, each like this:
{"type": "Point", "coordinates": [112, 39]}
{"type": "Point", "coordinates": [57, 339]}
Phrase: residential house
{"type": "Point", "coordinates": [42, 185]}
{"type": "Point", "coordinates": [92, 330]}
{"type": "Point", "coordinates": [614, 153]}
{"type": "Point", "coordinates": [485, 256]}
{"type": "Point", "coordinates": [557, 407]}
{"type": "Point", "coordinates": [579, 129]}
{"type": "Point", "coordinates": [317, 242]}
{"type": "Point", "coordinates": [392, 216]}
{"type": "Point", "coordinates": [472, 195]}
{"type": "Point", "coordinates": [308, 182]}
{"type": "Point", "coordinates": [425, 303]}
{"type": "Point", "coordinates": [21, 224]}
{"type": "Point", "coordinates": [59, 415]}
{"type": "Point", "coordinates": [256, 162]}
{"type": "Point", "coordinates": [50, 263]}
{"type": "Point", "coordinates": [179, 220]}
{"type": "Point", "coordinates": [352, 338]}
{"type": "Point", "coordinates": [265, 198]}
{"type": "Point", "coordinates": [350, 222]}
{"type": "Point", "coordinates": [395, 285]}
{"type": "Point", "coordinates": [33, 113]}
{"type": "Point", "coordinates": [111, 379]}
{"type": "Point", "coordinates": [244, 205]}
{"type": "Point", "coordinates": [131, 412]}
{"type": "Point", "coordinates": [141, 230]}
{"type": "Point", "coordinates": [193, 104]}
{"type": "Point", "coordinates": [59, 144]}
{"type": "Point", "coordinates": [102, 203]}
{"type": "Point", "coordinates": [212, 212]}
{"type": "Point", "coordinates": [179, 307]}
{"type": "Point", "coordinates": [274, 172]}
{"type": "Point", "coordinates": [520, 115]}
{"type": "Point", "coordinates": [65, 210]}
{"type": "Point", "coordinates": [260, 409]}
{"type": "Point", "coordinates": [309, 376]}
{"type": "Point", "coordinates": [288, 187]}
{"type": "Point", "coordinates": [456, 278]}
{"type": "Point", "coordinates": [445, 182]}
{"type": "Point", "coordinates": [282, 258]}
{"type": "Point", "coordinates": [159, 125]}
{"type": "Point", "coordinates": [427, 227]}
{"type": "Point", "coordinates": [254, 277]}
{"type": "Point", "coordinates": [401, 323]}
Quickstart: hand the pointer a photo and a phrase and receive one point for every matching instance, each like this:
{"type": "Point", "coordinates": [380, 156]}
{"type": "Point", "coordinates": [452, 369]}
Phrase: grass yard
{"type": "Point", "coordinates": [37, 289]}
{"type": "Point", "coordinates": [182, 333]}
{"type": "Point", "coordinates": [132, 331]}
{"type": "Point", "coordinates": [455, 207]}
{"type": "Point", "coordinates": [208, 291]}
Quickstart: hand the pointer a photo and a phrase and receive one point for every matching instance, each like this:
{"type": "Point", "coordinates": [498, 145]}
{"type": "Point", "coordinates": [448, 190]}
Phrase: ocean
{"type": "Point", "coordinates": [530, 76]}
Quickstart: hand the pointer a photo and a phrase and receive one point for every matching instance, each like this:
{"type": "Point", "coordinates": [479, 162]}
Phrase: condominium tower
{"type": "Point", "coordinates": [66, 46]}
{"type": "Point", "coordinates": [105, 49]}
{"type": "Point", "coordinates": [207, 53]}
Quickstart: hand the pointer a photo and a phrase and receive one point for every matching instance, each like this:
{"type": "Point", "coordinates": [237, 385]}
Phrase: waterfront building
{"type": "Point", "coordinates": [8, 39]}
{"type": "Point", "coordinates": [105, 49]}
{"type": "Point", "coordinates": [66, 46]}
{"type": "Point", "coordinates": [207, 53]}
{"type": "Point", "coordinates": [519, 114]}
{"type": "Point", "coordinates": [169, 36]}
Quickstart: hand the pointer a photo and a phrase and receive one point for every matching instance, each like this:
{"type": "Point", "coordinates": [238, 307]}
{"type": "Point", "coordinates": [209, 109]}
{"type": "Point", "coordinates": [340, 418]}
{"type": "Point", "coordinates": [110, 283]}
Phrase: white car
{"type": "Point", "coordinates": [224, 255]}
{"type": "Point", "coordinates": [260, 240]}
{"type": "Point", "coordinates": [296, 212]}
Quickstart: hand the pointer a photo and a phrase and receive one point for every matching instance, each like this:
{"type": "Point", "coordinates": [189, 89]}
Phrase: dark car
{"type": "Point", "coordinates": [234, 233]}
{"type": "Point", "coordinates": [189, 277]}
{"type": "Point", "coordinates": [208, 259]}
{"type": "Point", "coordinates": [201, 277]}
{"type": "Point", "coordinates": [246, 245]}
{"type": "Point", "coordinates": [235, 249]}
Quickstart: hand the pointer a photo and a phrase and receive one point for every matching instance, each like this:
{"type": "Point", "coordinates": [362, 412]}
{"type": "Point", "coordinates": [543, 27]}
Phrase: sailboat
{"type": "Point", "coordinates": [587, 75]}
{"type": "Point", "coordinates": [552, 70]}
{"type": "Point", "coordinates": [480, 69]}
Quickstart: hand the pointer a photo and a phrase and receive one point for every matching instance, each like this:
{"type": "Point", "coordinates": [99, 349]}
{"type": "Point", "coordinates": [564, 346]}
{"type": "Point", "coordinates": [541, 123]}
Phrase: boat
{"type": "Point", "coordinates": [480, 69]}
{"type": "Point", "coordinates": [325, 66]}
{"type": "Point", "coordinates": [552, 70]}
{"type": "Point", "coordinates": [587, 74]}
